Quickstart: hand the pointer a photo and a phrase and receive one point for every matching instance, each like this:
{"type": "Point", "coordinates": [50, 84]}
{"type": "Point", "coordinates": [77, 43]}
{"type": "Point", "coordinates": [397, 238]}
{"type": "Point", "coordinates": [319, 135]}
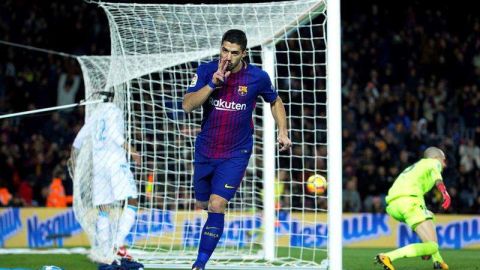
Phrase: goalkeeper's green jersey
{"type": "Point", "coordinates": [416, 180]}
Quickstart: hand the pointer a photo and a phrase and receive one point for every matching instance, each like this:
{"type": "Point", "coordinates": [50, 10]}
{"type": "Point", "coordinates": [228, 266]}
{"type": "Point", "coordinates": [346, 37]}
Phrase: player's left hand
{"type": "Point", "coordinates": [136, 157]}
{"type": "Point", "coordinates": [446, 200]}
{"type": "Point", "coordinates": [284, 142]}
{"type": "Point", "coordinates": [446, 197]}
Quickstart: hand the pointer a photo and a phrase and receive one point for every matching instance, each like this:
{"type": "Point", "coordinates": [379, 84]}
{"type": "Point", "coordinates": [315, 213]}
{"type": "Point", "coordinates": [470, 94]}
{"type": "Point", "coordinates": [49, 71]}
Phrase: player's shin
{"type": "Point", "coordinates": [103, 233]}
{"type": "Point", "coordinates": [125, 225]}
{"type": "Point", "coordinates": [211, 234]}
{"type": "Point", "coordinates": [413, 250]}
{"type": "Point", "coordinates": [436, 257]}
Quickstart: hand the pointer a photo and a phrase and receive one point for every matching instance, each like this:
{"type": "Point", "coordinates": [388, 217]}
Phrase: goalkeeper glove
{"type": "Point", "coordinates": [446, 198]}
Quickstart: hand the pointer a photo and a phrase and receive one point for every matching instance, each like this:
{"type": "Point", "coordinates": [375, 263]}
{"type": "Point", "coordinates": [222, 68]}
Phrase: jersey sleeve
{"type": "Point", "coordinates": [77, 143]}
{"type": "Point", "coordinates": [199, 80]}
{"type": "Point", "coordinates": [267, 90]}
{"type": "Point", "coordinates": [436, 171]}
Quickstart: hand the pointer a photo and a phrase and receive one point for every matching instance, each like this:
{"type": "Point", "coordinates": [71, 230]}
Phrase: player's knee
{"type": "Point", "coordinates": [201, 205]}
{"type": "Point", "coordinates": [216, 206]}
{"type": "Point", "coordinates": [434, 246]}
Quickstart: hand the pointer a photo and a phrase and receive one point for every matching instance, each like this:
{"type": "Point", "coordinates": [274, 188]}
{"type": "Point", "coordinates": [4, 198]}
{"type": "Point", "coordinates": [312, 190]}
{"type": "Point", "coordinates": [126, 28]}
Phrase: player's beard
{"type": "Point", "coordinates": [232, 66]}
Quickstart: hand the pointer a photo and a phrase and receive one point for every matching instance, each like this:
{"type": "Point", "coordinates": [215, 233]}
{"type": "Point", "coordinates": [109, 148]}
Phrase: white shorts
{"type": "Point", "coordinates": [114, 183]}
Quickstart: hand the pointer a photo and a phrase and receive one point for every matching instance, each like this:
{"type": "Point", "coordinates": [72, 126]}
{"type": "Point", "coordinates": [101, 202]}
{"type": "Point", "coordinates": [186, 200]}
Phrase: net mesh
{"type": "Point", "coordinates": [155, 52]}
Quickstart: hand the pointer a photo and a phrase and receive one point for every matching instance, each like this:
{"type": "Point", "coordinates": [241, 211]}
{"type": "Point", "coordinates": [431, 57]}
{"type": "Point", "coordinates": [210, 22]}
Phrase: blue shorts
{"type": "Point", "coordinates": [218, 176]}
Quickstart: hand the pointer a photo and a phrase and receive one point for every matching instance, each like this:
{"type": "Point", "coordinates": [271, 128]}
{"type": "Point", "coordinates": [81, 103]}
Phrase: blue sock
{"type": "Point", "coordinates": [211, 233]}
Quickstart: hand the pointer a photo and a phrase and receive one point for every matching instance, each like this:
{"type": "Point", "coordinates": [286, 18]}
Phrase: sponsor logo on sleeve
{"type": "Point", "coordinates": [194, 80]}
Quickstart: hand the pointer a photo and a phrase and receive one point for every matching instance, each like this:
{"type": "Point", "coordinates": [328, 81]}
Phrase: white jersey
{"type": "Point", "coordinates": [105, 128]}
{"type": "Point", "coordinates": [112, 178]}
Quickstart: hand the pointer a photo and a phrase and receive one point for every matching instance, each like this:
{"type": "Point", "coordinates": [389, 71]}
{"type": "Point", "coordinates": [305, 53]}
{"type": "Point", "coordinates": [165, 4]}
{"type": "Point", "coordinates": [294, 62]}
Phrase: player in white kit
{"type": "Point", "coordinates": [112, 179]}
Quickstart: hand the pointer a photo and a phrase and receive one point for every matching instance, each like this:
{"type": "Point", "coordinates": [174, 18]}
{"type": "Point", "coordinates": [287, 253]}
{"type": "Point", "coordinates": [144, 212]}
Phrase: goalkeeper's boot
{"type": "Point", "coordinates": [131, 265]}
{"type": "Point", "coordinates": [440, 265]}
{"type": "Point", "coordinates": [123, 253]}
{"type": "Point", "coordinates": [384, 261]}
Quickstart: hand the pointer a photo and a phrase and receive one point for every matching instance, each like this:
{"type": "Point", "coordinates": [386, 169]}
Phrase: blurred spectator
{"type": "Point", "coordinates": [5, 195]}
{"type": "Point", "coordinates": [351, 197]}
{"type": "Point", "coordinates": [469, 156]}
{"type": "Point", "coordinates": [68, 86]}
{"type": "Point", "coordinates": [56, 194]}
{"type": "Point", "coordinates": [25, 193]}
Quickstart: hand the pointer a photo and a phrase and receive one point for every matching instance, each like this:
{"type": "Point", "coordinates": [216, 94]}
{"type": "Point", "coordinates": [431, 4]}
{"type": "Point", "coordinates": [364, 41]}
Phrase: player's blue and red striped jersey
{"type": "Point", "coordinates": [227, 125]}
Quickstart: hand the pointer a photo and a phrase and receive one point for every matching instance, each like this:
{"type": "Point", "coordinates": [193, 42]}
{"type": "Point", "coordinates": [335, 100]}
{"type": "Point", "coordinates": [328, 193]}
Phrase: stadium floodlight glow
{"type": "Point", "coordinates": [273, 222]}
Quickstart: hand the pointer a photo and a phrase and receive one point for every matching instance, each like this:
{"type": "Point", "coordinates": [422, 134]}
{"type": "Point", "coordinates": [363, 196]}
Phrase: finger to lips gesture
{"type": "Point", "coordinates": [220, 75]}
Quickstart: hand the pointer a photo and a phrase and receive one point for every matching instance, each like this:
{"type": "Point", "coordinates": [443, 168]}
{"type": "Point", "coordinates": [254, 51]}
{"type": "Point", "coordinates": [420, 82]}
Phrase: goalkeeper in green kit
{"type": "Point", "coordinates": [405, 203]}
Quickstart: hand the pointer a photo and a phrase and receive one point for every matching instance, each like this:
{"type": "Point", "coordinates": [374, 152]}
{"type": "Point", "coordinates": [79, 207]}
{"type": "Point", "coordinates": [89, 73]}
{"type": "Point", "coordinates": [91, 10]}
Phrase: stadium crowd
{"type": "Point", "coordinates": [410, 80]}
{"type": "Point", "coordinates": [34, 149]}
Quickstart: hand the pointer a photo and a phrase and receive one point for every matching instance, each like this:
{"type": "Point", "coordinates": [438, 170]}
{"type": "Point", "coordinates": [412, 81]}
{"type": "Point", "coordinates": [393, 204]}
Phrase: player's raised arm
{"type": "Point", "coordinates": [193, 100]}
{"type": "Point", "coordinates": [278, 112]}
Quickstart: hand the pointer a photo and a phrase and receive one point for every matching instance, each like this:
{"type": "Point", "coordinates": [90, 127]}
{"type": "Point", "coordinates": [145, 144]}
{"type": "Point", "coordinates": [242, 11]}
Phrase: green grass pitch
{"type": "Point", "coordinates": [353, 259]}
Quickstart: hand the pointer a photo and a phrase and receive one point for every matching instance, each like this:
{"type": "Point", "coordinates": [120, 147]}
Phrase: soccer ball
{"type": "Point", "coordinates": [316, 184]}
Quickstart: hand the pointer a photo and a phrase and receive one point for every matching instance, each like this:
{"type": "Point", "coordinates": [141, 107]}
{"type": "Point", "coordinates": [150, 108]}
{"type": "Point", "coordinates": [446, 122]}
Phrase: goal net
{"type": "Point", "coordinates": [273, 221]}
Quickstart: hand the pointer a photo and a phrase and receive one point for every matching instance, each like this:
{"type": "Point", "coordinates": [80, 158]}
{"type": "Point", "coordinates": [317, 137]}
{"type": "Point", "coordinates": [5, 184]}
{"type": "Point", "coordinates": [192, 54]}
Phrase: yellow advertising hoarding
{"type": "Point", "coordinates": [57, 227]}
{"type": "Point", "coordinates": [40, 227]}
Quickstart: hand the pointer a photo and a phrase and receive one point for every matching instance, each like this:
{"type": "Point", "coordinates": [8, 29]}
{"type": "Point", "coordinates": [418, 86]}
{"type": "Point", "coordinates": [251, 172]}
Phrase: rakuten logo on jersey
{"type": "Point", "coordinates": [231, 106]}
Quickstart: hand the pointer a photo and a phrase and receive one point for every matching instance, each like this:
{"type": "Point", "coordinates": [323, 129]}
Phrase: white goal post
{"type": "Point", "coordinates": [273, 222]}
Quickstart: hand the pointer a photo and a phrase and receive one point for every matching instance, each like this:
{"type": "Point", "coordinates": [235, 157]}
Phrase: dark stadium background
{"type": "Point", "coordinates": [410, 72]}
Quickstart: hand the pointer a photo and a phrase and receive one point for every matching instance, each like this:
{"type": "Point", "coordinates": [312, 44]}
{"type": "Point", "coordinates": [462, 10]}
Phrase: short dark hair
{"type": "Point", "coordinates": [236, 36]}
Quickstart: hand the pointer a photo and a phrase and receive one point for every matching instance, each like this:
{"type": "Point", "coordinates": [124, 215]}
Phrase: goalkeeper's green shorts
{"type": "Point", "coordinates": [410, 210]}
